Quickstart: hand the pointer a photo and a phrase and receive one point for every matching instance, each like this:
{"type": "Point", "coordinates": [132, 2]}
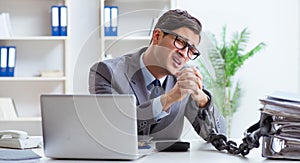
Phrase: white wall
{"type": "Point", "coordinates": [84, 42]}
{"type": "Point", "coordinates": [275, 22]}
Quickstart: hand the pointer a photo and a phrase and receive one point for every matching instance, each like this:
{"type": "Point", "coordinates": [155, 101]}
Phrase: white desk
{"type": "Point", "coordinates": [200, 152]}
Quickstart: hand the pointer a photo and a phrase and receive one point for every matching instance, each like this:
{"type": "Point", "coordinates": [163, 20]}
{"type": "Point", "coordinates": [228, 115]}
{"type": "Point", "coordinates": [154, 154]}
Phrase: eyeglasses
{"type": "Point", "coordinates": [181, 43]}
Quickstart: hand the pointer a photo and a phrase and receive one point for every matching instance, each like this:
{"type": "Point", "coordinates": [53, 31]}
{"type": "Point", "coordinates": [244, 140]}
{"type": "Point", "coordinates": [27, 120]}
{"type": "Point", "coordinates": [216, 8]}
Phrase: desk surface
{"type": "Point", "coordinates": [199, 152]}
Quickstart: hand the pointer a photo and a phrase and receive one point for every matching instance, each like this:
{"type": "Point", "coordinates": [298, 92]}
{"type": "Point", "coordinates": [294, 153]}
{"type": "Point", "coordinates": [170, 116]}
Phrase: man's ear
{"type": "Point", "coordinates": [156, 36]}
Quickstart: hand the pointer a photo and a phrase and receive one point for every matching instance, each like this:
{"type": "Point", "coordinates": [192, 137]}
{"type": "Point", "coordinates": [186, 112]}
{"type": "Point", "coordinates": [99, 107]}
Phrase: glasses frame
{"type": "Point", "coordinates": [195, 54]}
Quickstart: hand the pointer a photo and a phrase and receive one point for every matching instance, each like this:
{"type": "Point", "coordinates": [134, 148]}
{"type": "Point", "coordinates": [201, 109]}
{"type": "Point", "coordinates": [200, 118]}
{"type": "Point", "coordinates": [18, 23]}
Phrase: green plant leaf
{"type": "Point", "coordinates": [226, 58]}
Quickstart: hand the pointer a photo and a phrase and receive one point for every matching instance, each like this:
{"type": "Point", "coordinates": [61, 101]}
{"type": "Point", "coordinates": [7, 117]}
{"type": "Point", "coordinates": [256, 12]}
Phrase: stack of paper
{"type": "Point", "coordinates": [284, 138]}
{"type": "Point", "coordinates": [51, 73]}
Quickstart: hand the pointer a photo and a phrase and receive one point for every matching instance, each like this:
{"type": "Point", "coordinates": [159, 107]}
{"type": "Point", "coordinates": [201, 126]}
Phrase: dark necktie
{"type": "Point", "coordinates": [156, 90]}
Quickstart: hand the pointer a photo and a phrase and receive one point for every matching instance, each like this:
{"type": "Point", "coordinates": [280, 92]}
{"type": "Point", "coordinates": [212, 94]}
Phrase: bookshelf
{"type": "Point", "coordinates": [37, 50]}
{"type": "Point", "coordinates": [134, 24]}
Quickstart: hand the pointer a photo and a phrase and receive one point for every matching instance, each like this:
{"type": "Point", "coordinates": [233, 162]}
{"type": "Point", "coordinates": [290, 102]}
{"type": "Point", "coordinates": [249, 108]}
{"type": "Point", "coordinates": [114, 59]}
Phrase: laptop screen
{"type": "Point", "coordinates": [89, 126]}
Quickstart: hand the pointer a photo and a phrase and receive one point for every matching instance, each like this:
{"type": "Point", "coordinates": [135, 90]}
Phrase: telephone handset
{"type": "Point", "coordinates": [19, 139]}
{"type": "Point", "coordinates": [5, 134]}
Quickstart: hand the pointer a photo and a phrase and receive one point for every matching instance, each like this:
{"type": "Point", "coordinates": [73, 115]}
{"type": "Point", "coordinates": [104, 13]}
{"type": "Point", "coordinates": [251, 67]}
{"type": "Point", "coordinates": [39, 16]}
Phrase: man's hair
{"type": "Point", "coordinates": [174, 19]}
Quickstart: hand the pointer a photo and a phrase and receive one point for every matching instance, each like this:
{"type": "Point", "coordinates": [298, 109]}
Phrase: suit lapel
{"type": "Point", "coordinates": [135, 77]}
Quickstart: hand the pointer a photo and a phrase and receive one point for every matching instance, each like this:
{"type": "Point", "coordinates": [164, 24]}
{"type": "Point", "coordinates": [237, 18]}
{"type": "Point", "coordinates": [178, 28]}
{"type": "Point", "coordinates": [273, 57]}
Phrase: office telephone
{"type": "Point", "coordinates": [13, 134]}
{"type": "Point", "coordinates": [19, 139]}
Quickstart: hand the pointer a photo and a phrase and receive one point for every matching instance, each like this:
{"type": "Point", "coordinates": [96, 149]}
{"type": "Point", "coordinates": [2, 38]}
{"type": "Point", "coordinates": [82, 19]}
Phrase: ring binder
{"type": "Point", "coordinates": [55, 20]}
{"type": "Point", "coordinates": [7, 60]}
{"type": "Point", "coordinates": [111, 20]}
{"type": "Point", "coordinates": [59, 20]}
{"type": "Point", "coordinates": [63, 20]}
{"type": "Point", "coordinates": [11, 61]}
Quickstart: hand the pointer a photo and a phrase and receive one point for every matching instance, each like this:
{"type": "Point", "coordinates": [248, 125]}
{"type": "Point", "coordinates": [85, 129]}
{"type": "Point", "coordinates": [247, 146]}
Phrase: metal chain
{"type": "Point", "coordinates": [250, 141]}
{"type": "Point", "coordinates": [220, 142]}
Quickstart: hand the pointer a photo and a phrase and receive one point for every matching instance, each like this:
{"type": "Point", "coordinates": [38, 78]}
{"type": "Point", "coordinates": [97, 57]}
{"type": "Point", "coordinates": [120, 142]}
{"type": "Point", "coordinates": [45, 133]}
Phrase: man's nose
{"type": "Point", "coordinates": [184, 53]}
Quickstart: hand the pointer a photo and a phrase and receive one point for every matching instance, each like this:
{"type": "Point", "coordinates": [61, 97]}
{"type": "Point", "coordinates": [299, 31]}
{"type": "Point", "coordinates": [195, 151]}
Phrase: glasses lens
{"type": "Point", "coordinates": [193, 53]}
{"type": "Point", "coordinates": [180, 43]}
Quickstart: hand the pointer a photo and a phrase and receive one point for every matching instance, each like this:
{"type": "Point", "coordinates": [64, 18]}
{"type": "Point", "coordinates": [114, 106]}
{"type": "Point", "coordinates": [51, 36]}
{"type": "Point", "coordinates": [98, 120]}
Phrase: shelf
{"type": "Point", "coordinates": [137, 38]}
{"type": "Point", "coordinates": [35, 38]}
{"type": "Point", "coordinates": [135, 1]}
{"type": "Point", "coordinates": [32, 79]}
{"type": "Point", "coordinates": [23, 119]}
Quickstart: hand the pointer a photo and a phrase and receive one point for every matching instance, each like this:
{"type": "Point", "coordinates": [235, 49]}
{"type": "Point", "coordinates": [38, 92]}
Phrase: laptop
{"type": "Point", "coordinates": [90, 127]}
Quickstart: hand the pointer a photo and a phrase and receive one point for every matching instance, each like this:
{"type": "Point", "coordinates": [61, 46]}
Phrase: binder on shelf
{"type": "Point", "coordinates": [7, 60]}
{"type": "Point", "coordinates": [10, 69]}
{"type": "Point", "coordinates": [111, 20]}
{"type": "Point", "coordinates": [106, 20]}
{"type": "Point", "coordinates": [3, 60]}
{"type": "Point", "coordinates": [5, 26]}
{"type": "Point", "coordinates": [114, 20]}
{"type": "Point", "coordinates": [55, 20]}
{"type": "Point", "coordinates": [63, 20]}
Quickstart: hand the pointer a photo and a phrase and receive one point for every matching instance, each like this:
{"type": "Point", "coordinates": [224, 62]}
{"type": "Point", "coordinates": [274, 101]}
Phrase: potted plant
{"type": "Point", "coordinates": [226, 57]}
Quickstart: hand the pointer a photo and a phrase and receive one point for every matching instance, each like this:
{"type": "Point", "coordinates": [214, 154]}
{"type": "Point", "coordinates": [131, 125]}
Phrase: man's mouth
{"type": "Point", "coordinates": [177, 61]}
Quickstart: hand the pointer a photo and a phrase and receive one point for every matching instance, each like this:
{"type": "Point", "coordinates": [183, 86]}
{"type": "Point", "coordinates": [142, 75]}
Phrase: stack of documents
{"type": "Point", "coordinates": [51, 73]}
{"type": "Point", "coordinates": [283, 140]}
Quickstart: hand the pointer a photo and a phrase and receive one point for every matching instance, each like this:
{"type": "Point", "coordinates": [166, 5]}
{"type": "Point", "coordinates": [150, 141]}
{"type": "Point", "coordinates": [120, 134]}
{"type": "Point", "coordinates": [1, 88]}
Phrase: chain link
{"type": "Point", "coordinates": [250, 141]}
{"type": "Point", "coordinates": [220, 143]}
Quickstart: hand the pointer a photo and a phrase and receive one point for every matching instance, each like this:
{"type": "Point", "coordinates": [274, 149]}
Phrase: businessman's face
{"type": "Point", "coordinates": [176, 48]}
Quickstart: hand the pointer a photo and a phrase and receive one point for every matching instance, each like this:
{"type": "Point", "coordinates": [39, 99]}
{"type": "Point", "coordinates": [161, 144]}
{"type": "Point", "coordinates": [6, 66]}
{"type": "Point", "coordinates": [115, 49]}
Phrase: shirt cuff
{"type": "Point", "coordinates": [157, 109]}
{"type": "Point", "coordinates": [195, 104]}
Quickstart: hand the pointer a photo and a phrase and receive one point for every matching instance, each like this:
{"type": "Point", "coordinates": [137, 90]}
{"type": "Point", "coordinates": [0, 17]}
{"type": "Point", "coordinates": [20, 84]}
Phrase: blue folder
{"type": "Point", "coordinates": [111, 20]}
{"type": "Point", "coordinates": [63, 20]}
{"type": "Point", "coordinates": [55, 20]}
{"type": "Point", "coordinates": [11, 61]}
{"type": "Point", "coordinates": [7, 60]}
{"type": "Point", "coordinates": [3, 60]}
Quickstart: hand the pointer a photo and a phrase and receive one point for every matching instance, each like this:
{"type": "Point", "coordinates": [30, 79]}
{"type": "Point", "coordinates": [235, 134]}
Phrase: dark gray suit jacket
{"type": "Point", "coordinates": [124, 76]}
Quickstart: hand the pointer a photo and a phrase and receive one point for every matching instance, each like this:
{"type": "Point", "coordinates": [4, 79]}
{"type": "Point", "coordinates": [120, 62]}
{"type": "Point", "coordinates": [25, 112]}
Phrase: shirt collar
{"type": "Point", "coordinates": [147, 74]}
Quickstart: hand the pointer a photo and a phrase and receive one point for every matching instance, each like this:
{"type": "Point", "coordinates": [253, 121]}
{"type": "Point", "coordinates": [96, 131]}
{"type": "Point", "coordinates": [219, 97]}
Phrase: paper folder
{"type": "Point", "coordinates": [55, 20]}
{"type": "Point", "coordinates": [3, 60]}
{"type": "Point", "coordinates": [111, 20]}
{"type": "Point", "coordinates": [10, 69]}
{"type": "Point", "coordinates": [7, 60]}
{"type": "Point", "coordinates": [63, 18]}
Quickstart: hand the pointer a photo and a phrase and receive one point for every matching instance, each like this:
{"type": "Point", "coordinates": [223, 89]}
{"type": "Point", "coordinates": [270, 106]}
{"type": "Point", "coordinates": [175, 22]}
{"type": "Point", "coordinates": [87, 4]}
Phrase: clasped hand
{"type": "Point", "coordinates": [190, 81]}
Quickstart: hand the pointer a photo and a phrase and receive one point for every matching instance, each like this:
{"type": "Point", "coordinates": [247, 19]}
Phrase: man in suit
{"type": "Point", "coordinates": [166, 88]}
